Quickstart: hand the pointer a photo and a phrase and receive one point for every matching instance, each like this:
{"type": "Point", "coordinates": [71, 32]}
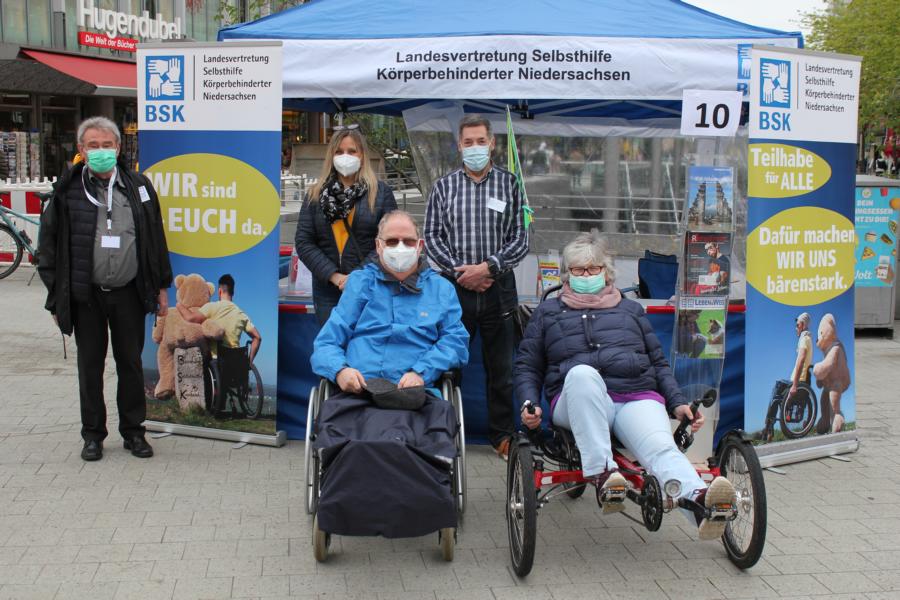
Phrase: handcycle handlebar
{"type": "Point", "coordinates": [703, 396]}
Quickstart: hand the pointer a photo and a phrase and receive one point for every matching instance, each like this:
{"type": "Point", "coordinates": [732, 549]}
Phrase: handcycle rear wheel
{"type": "Point", "coordinates": [745, 536]}
{"type": "Point", "coordinates": [521, 507]}
{"type": "Point", "coordinates": [10, 251]}
{"type": "Point", "coordinates": [802, 403]}
{"type": "Point", "coordinates": [252, 404]}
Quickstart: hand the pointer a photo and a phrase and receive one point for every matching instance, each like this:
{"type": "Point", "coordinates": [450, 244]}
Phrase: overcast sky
{"type": "Point", "coordinates": [776, 14]}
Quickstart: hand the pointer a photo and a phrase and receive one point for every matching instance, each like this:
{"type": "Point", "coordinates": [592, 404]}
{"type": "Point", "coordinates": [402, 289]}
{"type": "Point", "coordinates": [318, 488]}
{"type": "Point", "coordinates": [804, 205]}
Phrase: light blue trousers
{"type": "Point", "coordinates": [585, 408]}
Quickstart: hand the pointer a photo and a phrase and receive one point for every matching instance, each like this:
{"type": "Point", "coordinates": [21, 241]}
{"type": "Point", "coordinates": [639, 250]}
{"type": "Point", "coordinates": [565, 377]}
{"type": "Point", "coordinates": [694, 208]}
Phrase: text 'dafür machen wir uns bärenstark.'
{"type": "Point", "coordinates": [497, 65]}
{"type": "Point", "coordinates": [229, 77]}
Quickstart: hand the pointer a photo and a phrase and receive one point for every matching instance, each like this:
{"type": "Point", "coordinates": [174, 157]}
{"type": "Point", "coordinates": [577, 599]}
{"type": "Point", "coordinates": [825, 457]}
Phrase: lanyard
{"type": "Point", "coordinates": [109, 196]}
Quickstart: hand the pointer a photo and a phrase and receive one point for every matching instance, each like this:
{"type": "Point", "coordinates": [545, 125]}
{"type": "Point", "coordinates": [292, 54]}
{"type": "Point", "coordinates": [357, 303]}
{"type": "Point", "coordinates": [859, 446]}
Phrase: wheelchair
{"type": "Point", "coordinates": [321, 540]}
{"type": "Point", "coordinates": [541, 468]}
{"type": "Point", "coordinates": [232, 385]}
{"type": "Point", "coordinates": [796, 414]}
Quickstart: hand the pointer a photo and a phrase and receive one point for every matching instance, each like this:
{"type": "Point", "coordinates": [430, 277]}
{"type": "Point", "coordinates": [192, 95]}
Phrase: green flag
{"type": "Point", "coordinates": [515, 167]}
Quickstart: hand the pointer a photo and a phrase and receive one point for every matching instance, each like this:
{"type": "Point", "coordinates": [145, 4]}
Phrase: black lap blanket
{"type": "Point", "coordinates": [385, 472]}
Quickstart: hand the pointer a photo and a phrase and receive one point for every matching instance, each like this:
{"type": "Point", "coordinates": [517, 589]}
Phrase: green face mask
{"type": "Point", "coordinates": [587, 284]}
{"type": "Point", "coordinates": [101, 160]}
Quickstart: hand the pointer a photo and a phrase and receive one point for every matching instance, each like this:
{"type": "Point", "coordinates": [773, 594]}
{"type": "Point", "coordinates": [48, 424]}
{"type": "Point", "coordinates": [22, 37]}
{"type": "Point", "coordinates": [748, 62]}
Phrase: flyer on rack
{"type": "Point", "coordinates": [710, 197]}
{"type": "Point", "coordinates": [707, 263]}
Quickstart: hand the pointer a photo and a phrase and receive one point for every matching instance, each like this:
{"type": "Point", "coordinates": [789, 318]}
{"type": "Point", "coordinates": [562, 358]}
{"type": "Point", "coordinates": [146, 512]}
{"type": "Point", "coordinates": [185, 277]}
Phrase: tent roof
{"type": "Point", "coordinates": [364, 19]}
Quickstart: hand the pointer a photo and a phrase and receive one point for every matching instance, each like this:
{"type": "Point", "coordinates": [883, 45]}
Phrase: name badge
{"type": "Point", "coordinates": [145, 195]}
{"type": "Point", "coordinates": [497, 205]}
{"type": "Point", "coordinates": [110, 241]}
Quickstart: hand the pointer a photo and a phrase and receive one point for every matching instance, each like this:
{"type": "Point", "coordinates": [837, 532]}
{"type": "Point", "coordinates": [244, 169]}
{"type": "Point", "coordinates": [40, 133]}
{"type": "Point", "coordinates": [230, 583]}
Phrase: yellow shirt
{"type": "Point", "coordinates": [804, 342]}
{"type": "Point", "coordinates": [341, 235]}
{"type": "Point", "coordinates": [230, 316]}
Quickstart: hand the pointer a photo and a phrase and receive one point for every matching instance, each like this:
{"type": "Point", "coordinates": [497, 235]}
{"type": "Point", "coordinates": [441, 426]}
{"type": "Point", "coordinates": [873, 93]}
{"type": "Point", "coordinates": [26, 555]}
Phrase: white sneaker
{"type": "Point", "coordinates": [721, 498]}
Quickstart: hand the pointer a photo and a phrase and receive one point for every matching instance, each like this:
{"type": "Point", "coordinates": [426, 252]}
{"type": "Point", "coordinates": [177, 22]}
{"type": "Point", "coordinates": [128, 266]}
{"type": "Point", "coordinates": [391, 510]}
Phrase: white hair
{"type": "Point", "coordinates": [98, 123]}
{"type": "Point", "coordinates": [589, 249]}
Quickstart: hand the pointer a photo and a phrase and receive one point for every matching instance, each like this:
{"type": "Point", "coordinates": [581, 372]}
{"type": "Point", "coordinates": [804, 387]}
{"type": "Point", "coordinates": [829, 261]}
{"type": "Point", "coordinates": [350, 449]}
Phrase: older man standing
{"type": "Point", "coordinates": [475, 235]}
{"type": "Point", "coordinates": [104, 260]}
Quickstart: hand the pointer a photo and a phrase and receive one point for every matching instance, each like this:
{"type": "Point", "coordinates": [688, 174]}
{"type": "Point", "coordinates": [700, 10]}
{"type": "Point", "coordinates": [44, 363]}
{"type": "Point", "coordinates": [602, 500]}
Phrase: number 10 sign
{"type": "Point", "coordinates": [706, 113]}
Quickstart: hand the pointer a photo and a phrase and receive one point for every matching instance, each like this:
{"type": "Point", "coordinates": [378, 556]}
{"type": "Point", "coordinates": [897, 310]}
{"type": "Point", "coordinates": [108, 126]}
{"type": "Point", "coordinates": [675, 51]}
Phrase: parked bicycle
{"type": "Point", "coordinates": [14, 241]}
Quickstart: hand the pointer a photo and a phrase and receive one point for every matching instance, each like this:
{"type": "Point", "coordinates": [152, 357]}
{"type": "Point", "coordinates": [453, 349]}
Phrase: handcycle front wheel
{"type": "Point", "coordinates": [252, 403]}
{"type": "Point", "coordinates": [745, 536]}
{"type": "Point", "coordinates": [798, 413]}
{"type": "Point", "coordinates": [521, 507]}
{"type": "Point", "coordinates": [10, 251]}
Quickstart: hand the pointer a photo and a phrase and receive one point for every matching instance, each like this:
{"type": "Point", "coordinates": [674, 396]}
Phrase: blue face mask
{"type": "Point", "coordinates": [476, 157]}
{"type": "Point", "coordinates": [587, 284]}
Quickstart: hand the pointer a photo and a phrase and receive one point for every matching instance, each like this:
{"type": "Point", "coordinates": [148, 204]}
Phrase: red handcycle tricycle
{"type": "Point", "coordinates": [542, 467]}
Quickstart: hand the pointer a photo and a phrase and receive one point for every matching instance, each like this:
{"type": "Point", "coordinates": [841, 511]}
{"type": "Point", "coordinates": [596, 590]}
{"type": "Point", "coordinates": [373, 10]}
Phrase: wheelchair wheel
{"type": "Point", "coordinates": [447, 538]}
{"type": "Point", "coordinates": [745, 536]}
{"type": "Point", "coordinates": [459, 465]}
{"type": "Point", "coordinates": [320, 542]}
{"type": "Point", "coordinates": [521, 507]}
{"type": "Point", "coordinates": [252, 403]}
{"type": "Point", "coordinates": [311, 460]}
{"type": "Point", "coordinates": [651, 503]}
{"type": "Point", "coordinates": [798, 413]}
{"type": "Point", "coordinates": [212, 388]}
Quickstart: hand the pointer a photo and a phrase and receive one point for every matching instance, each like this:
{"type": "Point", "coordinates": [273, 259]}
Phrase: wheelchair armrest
{"type": "Point", "coordinates": [453, 376]}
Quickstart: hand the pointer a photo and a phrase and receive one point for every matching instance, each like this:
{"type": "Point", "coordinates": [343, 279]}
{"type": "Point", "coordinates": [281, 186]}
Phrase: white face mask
{"type": "Point", "coordinates": [346, 164]}
{"type": "Point", "coordinates": [401, 257]}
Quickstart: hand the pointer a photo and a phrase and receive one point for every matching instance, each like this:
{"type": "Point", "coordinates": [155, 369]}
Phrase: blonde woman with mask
{"type": "Point", "coordinates": [338, 222]}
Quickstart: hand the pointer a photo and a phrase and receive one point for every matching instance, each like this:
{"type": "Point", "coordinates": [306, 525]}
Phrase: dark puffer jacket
{"type": "Point", "coordinates": [619, 342]}
{"type": "Point", "coordinates": [318, 250]}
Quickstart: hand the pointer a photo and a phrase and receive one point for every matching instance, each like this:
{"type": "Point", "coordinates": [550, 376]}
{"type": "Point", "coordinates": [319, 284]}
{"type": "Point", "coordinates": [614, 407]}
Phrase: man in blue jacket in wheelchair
{"type": "Point", "coordinates": [397, 319]}
{"type": "Point", "coordinates": [397, 328]}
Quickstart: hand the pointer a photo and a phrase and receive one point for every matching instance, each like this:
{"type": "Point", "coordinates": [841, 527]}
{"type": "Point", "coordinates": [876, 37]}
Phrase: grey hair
{"type": "Point", "coordinates": [397, 213]}
{"type": "Point", "coordinates": [589, 249]}
{"type": "Point", "coordinates": [98, 123]}
{"type": "Point", "coordinates": [475, 121]}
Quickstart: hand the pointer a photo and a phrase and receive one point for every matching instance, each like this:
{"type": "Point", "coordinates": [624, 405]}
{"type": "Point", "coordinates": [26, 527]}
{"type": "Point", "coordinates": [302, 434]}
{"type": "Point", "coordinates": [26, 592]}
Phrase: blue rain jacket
{"type": "Point", "coordinates": [384, 330]}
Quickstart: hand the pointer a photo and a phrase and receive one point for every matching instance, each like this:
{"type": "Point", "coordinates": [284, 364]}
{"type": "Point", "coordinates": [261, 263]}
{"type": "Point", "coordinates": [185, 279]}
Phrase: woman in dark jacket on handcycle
{"type": "Point", "coordinates": [598, 362]}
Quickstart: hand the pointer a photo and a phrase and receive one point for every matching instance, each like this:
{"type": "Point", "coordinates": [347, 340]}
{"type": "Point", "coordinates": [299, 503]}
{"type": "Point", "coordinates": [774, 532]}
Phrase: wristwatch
{"type": "Point", "coordinates": [493, 267]}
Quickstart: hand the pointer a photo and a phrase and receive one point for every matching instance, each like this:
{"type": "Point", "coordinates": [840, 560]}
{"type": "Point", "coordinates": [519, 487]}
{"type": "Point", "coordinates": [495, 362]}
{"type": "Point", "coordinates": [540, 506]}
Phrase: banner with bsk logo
{"type": "Point", "coordinates": [210, 142]}
{"type": "Point", "coordinates": [801, 244]}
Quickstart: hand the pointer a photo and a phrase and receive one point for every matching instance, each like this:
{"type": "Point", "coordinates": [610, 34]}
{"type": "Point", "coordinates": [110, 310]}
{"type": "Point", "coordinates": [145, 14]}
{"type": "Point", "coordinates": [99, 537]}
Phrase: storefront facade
{"type": "Point", "coordinates": [64, 60]}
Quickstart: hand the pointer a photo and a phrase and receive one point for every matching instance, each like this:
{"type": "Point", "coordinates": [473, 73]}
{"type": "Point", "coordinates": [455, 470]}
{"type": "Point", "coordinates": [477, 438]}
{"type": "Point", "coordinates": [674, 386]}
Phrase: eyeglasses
{"type": "Point", "coordinates": [408, 242]}
{"type": "Point", "coordinates": [349, 127]}
{"type": "Point", "coordinates": [580, 271]}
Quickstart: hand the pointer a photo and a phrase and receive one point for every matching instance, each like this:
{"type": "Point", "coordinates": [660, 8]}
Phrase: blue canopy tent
{"type": "Point", "coordinates": [340, 55]}
{"type": "Point", "coordinates": [589, 60]}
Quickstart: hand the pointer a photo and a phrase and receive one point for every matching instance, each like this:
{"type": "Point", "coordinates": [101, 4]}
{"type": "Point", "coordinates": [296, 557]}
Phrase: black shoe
{"type": "Point", "coordinates": [139, 447]}
{"type": "Point", "coordinates": [93, 450]}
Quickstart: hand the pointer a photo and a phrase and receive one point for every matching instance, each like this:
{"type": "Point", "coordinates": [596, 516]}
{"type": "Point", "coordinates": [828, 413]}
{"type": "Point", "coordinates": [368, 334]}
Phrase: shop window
{"type": "Point", "coordinates": [15, 22]}
{"type": "Point", "coordinates": [38, 22]}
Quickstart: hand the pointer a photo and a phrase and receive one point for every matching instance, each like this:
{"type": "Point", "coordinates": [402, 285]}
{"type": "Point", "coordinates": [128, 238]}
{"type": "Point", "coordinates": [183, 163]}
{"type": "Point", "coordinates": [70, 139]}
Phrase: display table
{"type": "Point", "coordinates": [298, 327]}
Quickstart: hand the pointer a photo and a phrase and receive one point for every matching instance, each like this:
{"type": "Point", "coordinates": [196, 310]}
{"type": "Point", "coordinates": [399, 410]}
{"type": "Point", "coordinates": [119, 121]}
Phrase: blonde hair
{"type": "Point", "coordinates": [365, 169]}
{"type": "Point", "coordinates": [589, 249]}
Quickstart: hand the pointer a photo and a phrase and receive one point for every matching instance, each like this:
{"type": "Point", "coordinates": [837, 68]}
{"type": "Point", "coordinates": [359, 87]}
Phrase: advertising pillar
{"type": "Point", "coordinates": [801, 247]}
{"type": "Point", "coordinates": [210, 142]}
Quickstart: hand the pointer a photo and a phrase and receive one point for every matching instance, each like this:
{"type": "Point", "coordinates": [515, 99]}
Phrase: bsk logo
{"type": "Point", "coordinates": [743, 70]}
{"type": "Point", "coordinates": [775, 83]}
{"type": "Point", "coordinates": [165, 78]}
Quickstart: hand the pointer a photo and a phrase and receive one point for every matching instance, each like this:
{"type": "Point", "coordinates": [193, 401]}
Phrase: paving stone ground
{"type": "Point", "coordinates": [202, 520]}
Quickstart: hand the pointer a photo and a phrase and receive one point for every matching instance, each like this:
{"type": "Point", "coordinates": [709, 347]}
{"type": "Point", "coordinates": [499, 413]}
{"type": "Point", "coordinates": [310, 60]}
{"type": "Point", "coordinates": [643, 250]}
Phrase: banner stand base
{"type": "Point", "coordinates": [792, 451]}
{"type": "Point", "coordinates": [225, 435]}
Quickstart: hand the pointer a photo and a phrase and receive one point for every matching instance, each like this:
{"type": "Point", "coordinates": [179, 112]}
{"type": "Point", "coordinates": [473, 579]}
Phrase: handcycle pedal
{"type": "Point", "coordinates": [612, 498]}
